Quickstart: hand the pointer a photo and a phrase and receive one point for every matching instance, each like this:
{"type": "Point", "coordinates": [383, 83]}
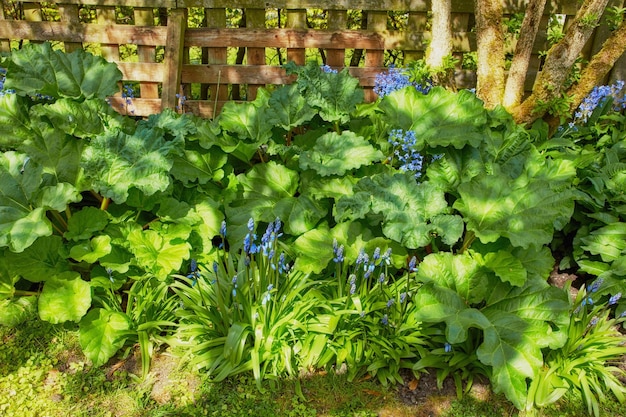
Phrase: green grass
{"type": "Point", "coordinates": [43, 373]}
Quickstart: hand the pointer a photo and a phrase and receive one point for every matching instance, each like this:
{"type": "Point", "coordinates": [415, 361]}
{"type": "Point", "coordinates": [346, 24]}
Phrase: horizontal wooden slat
{"type": "Point", "coordinates": [60, 31]}
{"type": "Point", "coordinates": [130, 3]}
{"type": "Point", "coordinates": [137, 107]}
{"type": "Point", "coordinates": [459, 6]}
{"type": "Point", "coordinates": [142, 71]}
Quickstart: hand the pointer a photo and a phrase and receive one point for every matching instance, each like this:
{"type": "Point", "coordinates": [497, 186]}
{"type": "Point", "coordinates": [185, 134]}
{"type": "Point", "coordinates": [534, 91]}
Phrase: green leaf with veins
{"type": "Point", "coordinates": [161, 249]}
{"type": "Point", "coordinates": [65, 297]}
{"type": "Point", "coordinates": [116, 161]}
{"type": "Point", "coordinates": [38, 69]}
{"type": "Point", "coordinates": [440, 118]}
{"type": "Point", "coordinates": [288, 108]}
{"type": "Point", "coordinates": [92, 250]}
{"type": "Point", "coordinates": [57, 152]}
{"type": "Point", "coordinates": [516, 323]}
{"type": "Point", "coordinates": [248, 121]}
{"type": "Point", "coordinates": [40, 261]}
{"type": "Point", "coordinates": [85, 223]}
{"type": "Point", "coordinates": [410, 211]}
{"type": "Point", "coordinates": [14, 121]}
{"type": "Point", "coordinates": [20, 222]}
{"type": "Point", "coordinates": [17, 310]}
{"type": "Point", "coordinates": [85, 119]}
{"type": "Point", "coordinates": [101, 334]}
{"type": "Point", "coordinates": [335, 154]}
{"type": "Point", "coordinates": [196, 164]}
{"type": "Point", "coordinates": [526, 210]}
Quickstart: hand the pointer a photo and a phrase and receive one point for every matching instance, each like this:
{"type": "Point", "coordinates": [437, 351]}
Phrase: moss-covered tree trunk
{"type": "Point", "coordinates": [559, 61]}
{"type": "Point", "coordinates": [599, 66]}
{"type": "Point", "coordinates": [514, 89]}
{"type": "Point", "coordinates": [490, 52]}
{"type": "Point", "coordinates": [440, 45]}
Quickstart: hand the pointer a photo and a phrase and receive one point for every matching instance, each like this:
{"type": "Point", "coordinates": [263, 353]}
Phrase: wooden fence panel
{"type": "Point", "coordinates": [210, 78]}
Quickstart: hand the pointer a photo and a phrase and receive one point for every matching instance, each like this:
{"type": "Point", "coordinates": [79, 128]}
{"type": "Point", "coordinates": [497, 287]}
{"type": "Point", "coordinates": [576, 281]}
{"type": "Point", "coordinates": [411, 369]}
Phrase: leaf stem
{"type": "Point", "coordinates": [60, 219]}
{"type": "Point", "coordinates": [104, 203]}
{"type": "Point", "coordinates": [467, 241]}
{"type": "Point", "coordinates": [22, 293]}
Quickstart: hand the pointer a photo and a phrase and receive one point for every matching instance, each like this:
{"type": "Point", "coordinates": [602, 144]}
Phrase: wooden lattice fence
{"type": "Point", "coordinates": [168, 55]}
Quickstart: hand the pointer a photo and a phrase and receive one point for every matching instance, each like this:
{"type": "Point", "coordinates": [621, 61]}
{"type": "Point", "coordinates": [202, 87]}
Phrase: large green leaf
{"type": "Point", "coordinates": [411, 211]}
{"type": "Point", "coordinates": [199, 165]}
{"type": "Point", "coordinates": [609, 242]}
{"type": "Point", "coordinates": [57, 152]}
{"type": "Point", "coordinates": [288, 108]}
{"type": "Point", "coordinates": [116, 161]}
{"type": "Point", "coordinates": [101, 334]}
{"type": "Point", "coordinates": [40, 261]}
{"type": "Point", "coordinates": [460, 273]}
{"type": "Point", "coordinates": [14, 121]}
{"type": "Point", "coordinates": [17, 310]}
{"type": "Point", "coordinates": [335, 154]}
{"type": "Point", "coordinates": [516, 324]}
{"type": "Point", "coordinates": [65, 297]}
{"type": "Point", "coordinates": [38, 69]}
{"type": "Point", "coordinates": [84, 119]}
{"type": "Point", "coordinates": [85, 223]}
{"type": "Point", "coordinates": [526, 210]}
{"type": "Point", "coordinates": [440, 118]}
{"type": "Point", "coordinates": [260, 190]}
{"type": "Point", "coordinates": [161, 249]}
{"type": "Point", "coordinates": [21, 221]}
{"type": "Point", "coordinates": [248, 121]}
{"type": "Point", "coordinates": [334, 95]}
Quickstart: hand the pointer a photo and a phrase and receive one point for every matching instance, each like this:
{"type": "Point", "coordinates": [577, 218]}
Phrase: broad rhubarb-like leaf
{"type": "Point", "coordinates": [335, 154]}
{"type": "Point", "coordinates": [40, 261]}
{"type": "Point", "coordinates": [439, 118]}
{"type": "Point", "coordinates": [116, 161]}
{"type": "Point", "coordinates": [38, 69]}
{"type": "Point", "coordinates": [101, 334]}
{"type": "Point", "coordinates": [411, 211]}
{"type": "Point", "coordinates": [65, 297]}
{"type": "Point", "coordinates": [526, 210]}
{"type": "Point", "coordinates": [288, 108]}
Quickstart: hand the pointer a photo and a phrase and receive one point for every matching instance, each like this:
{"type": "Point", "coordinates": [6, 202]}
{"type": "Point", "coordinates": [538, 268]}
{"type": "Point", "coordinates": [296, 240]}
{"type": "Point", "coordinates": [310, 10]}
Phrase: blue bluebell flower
{"type": "Point", "coordinates": [369, 269]}
{"type": "Point", "coordinates": [328, 69]}
{"type": "Point", "coordinates": [596, 285]}
{"type": "Point", "coordinates": [402, 297]}
{"type": "Point", "coordinates": [390, 302]}
{"type": "Point", "coordinates": [404, 143]}
{"type": "Point", "coordinates": [599, 95]}
{"type": "Point", "coordinates": [381, 278]}
{"type": "Point", "coordinates": [395, 79]}
{"type": "Point", "coordinates": [447, 347]}
{"type": "Point", "coordinates": [337, 252]}
{"type": "Point", "coordinates": [376, 255]}
{"type": "Point", "coordinates": [615, 298]}
{"type": "Point", "coordinates": [223, 229]}
{"type": "Point", "coordinates": [362, 258]}
{"type": "Point", "coordinates": [412, 264]}
{"type": "Point", "coordinates": [385, 320]}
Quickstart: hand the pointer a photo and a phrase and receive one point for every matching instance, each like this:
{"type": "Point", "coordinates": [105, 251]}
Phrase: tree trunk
{"type": "Point", "coordinates": [559, 61]}
{"type": "Point", "coordinates": [441, 44]}
{"type": "Point", "coordinates": [490, 52]}
{"type": "Point", "coordinates": [514, 89]}
{"type": "Point", "coordinates": [599, 66]}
